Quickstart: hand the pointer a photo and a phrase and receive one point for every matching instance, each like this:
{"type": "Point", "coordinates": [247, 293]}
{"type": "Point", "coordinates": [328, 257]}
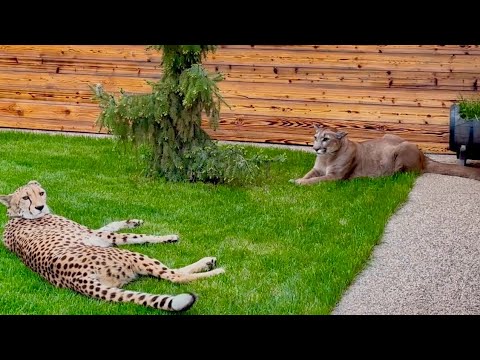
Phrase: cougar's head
{"type": "Point", "coordinates": [28, 201]}
{"type": "Point", "coordinates": [327, 141]}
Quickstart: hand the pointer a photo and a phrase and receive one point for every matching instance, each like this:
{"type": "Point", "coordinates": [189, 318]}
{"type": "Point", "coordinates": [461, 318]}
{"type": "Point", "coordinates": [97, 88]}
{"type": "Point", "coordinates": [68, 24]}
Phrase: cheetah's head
{"type": "Point", "coordinates": [28, 201]}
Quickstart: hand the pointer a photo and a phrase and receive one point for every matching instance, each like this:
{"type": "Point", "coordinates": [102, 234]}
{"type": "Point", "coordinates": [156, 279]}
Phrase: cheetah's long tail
{"type": "Point", "coordinates": [181, 302]}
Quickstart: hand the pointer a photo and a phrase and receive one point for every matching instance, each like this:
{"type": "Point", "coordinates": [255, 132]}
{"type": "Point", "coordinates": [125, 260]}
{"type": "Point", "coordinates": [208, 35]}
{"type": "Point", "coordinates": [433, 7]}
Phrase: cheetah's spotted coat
{"type": "Point", "coordinates": [71, 255]}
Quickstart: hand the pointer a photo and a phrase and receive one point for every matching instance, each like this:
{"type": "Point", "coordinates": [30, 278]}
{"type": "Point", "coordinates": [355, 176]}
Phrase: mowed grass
{"type": "Point", "coordinates": [286, 249]}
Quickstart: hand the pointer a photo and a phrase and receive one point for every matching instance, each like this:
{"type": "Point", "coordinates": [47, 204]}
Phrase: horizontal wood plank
{"type": "Point", "coordinates": [257, 73]}
{"type": "Point", "coordinates": [22, 80]}
{"type": "Point", "coordinates": [388, 49]}
{"type": "Point", "coordinates": [305, 126]}
{"type": "Point", "coordinates": [434, 62]}
{"type": "Point", "coordinates": [16, 122]}
{"type": "Point", "coordinates": [385, 113]}
{"type": "Point", "coordinates": [404, 80]}
{"type": "Point", "coordinates": [59, 66]}
{"type": "Point", "coordinates": [94, 52]}
{"type": "Point", "coordinates": [335, 94]}
{"type": "Point", "coordinates": [48, 110]}
{"type": "Point", "coordinates": [288, 139]}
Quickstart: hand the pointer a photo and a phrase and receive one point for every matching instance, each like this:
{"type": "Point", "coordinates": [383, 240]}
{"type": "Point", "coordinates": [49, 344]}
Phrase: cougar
{"type": "Point", "coordinates": [339, 158]}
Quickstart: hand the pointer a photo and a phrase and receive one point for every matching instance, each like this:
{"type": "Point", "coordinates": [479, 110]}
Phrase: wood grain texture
{"type": "Point", "coordinates": [25, 122]}
{"type": "Point", "coordinates": [348, 77]}
{"type": "Point", "coordinates": [287, 139]}
{"type": "Point", "coordinates": [402, 49]}
{"type": "Point", "coordinates": [275, 92]}
{"type": "Point", "coordinates": [82, 52]}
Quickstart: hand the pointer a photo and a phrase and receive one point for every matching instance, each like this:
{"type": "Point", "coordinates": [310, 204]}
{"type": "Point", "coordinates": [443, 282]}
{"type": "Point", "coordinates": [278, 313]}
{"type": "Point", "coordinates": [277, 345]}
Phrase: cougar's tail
{"type": "Point", "coordinates": [435, 167]}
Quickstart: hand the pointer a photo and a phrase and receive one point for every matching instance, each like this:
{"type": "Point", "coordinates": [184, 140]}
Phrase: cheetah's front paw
{"type": "Point", "coordinates": [217, 271]}
{"type": "Point", "coordinates": [172, 238]}
{"type": "Point", "coordinates": [207, 263]}
{"type": "Point", "coordinates": [133, 223]}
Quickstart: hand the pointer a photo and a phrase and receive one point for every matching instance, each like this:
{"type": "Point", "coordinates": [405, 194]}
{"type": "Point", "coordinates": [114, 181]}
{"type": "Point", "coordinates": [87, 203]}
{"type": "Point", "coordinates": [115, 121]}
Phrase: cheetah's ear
{"type": "Point", "coordinates": [5, 200]}
{"type": "Point", "coordinates": [34, 182]}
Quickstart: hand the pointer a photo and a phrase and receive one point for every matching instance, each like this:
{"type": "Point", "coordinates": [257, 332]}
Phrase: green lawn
{"type": "Point", "coordinates": [286, 249]}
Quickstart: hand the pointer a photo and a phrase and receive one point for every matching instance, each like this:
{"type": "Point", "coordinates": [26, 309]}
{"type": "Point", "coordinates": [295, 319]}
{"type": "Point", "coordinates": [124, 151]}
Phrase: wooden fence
{"type": "Point", "coordinates": [276, 93]}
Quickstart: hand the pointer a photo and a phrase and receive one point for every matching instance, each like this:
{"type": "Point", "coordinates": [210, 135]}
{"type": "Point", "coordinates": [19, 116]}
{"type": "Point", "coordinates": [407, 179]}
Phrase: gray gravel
{"type": "Point", "coordinates": [428, 261]}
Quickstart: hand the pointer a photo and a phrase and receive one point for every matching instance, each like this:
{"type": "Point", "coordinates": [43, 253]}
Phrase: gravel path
{"type": "Point", "coordinates": [428, 261]}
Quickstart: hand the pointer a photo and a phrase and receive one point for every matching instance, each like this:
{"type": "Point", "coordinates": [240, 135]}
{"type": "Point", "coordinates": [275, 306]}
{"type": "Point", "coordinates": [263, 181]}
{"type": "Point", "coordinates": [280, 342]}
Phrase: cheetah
{"type": "Point", "coordinates": [89, 261]}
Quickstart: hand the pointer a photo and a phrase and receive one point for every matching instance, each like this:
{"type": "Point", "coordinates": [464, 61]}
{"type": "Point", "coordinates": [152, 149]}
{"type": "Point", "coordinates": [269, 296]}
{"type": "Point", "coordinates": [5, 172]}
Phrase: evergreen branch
{"type": "Point", "coordinates": [166, 124]}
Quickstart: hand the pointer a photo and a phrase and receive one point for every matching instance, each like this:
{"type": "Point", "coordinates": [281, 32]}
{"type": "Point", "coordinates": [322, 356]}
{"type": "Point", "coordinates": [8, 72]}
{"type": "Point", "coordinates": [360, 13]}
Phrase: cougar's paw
{"type": "Point", "coordinates": [133, 223]}
{"type": "Point", "coordinates": [298, 181]}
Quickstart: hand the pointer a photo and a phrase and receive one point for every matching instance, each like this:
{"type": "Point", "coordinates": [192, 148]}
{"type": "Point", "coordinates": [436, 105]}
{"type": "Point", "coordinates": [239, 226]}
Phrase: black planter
{"type": "Point", "coordinates": [464, 136]}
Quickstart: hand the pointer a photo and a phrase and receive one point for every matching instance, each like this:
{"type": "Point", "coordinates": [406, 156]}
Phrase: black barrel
{"type": "Point", "coordinates": [464, 132]}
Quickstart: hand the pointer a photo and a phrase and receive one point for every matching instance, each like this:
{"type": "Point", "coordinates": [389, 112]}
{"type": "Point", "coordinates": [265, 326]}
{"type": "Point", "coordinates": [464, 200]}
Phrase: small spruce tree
{"type": "Point", "coordinates": [167, 122]}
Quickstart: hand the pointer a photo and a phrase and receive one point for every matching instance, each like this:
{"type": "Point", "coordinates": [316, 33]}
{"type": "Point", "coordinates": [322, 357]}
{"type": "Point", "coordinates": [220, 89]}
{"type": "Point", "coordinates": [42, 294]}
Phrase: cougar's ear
{"type": "Point", "coordinates": [340, 134]}
{"type": "Point", "coordinates": [5, 200]}
{"type": "Point", "coordinates": [317, 127]}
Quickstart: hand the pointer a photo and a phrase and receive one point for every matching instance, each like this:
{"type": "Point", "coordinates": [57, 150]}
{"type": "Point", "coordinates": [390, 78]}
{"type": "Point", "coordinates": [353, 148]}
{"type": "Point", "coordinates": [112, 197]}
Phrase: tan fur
{"type": "Point", "coordinates": [339, 158]}
{"type": "Point", "coordinates": [71, 255]}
